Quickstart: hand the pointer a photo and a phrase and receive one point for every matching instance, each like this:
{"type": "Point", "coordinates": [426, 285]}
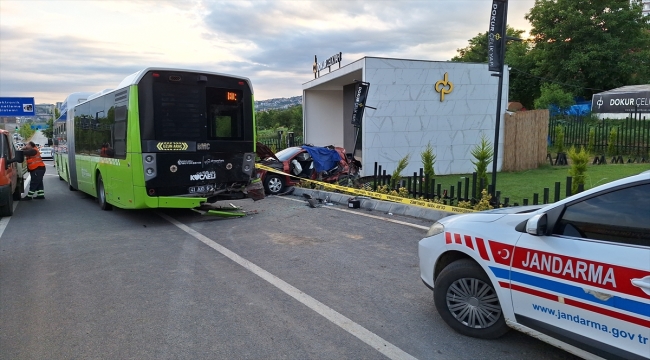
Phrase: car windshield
{"type": "Point", "coordinates": [287, 153]}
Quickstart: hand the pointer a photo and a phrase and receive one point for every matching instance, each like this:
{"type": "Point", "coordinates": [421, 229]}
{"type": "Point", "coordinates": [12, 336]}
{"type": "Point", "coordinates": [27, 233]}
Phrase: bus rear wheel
{"type": "Point", "coordinates": [101, 194]}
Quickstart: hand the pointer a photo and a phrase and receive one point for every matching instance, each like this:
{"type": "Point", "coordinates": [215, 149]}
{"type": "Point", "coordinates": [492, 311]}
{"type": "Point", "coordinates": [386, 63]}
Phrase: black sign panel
{"type": "Point", "coordinates": [496, 35]}
{"type": "Point", "coordinates": [360, 96]}
{"type": "Point", "coordinates": [617, 103]}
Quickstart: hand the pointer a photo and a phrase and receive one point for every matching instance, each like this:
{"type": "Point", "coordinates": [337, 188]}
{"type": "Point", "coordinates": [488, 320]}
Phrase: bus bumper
{"type": "Point", "coordinates": [142, 200]}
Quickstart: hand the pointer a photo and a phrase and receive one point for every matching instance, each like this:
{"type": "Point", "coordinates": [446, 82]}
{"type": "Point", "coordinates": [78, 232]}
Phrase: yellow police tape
{"type": "Point", "coordinates": [375, 195]}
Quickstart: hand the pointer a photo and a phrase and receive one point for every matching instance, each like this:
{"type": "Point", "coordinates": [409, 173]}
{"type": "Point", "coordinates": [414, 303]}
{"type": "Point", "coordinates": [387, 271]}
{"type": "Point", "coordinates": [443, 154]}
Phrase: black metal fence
{"type": "Point", "coordinates": [421, 186]}
{"type": "Point", "coordinates": [281, 142]}
{"type": "Point", "coordinates": [632, 135]}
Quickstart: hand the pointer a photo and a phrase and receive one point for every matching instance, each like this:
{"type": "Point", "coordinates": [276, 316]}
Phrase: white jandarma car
{"type": "Point", "coordinates": [575, 273]}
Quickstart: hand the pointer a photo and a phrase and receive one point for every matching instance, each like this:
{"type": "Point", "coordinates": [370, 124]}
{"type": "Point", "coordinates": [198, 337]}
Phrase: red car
{"type": "Point", "coordinates": [298, 161]}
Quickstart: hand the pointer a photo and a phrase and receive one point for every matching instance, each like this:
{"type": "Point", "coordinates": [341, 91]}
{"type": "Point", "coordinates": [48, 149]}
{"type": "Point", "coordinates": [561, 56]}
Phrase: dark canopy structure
{"type": "Point", "coordinates": [626, 99]}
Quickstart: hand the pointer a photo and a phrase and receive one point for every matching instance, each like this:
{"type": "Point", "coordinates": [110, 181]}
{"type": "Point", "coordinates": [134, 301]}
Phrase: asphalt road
{"type": "Point", "coordinates": [286, 281]}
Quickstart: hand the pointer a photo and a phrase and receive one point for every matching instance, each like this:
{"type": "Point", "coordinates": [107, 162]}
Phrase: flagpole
{"type": "Point", "coordinates": [500, 74]}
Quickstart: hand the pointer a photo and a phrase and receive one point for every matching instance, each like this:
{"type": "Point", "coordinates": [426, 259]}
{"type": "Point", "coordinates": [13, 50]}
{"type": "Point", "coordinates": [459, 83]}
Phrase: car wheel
{"type": "Point", "coordinates": [273, 184]}
{"type": "Point", "coordinates": [467, 301]}
{"type": "Point", "coordinates": [8, 208]}
{"type": "Point", "coordinates": [18, 193]}
{"type": "Point", "coordinates": [101, 194]}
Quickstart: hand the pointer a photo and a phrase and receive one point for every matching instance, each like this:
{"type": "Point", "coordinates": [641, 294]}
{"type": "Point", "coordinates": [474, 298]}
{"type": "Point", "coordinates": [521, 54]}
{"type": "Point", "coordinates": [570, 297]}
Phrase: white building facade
{"type": "Point", "coordinates": [447, 104]}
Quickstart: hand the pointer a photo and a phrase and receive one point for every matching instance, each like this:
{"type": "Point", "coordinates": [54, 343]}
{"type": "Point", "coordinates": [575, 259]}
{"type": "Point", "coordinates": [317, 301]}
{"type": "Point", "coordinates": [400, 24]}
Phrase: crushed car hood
{"type": "Point", "coordinates": [264, 152]}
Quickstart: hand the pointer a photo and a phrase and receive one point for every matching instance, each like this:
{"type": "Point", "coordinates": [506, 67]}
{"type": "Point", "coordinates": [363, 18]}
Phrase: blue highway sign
{"type": "Point", "coordinates": [17, 106]}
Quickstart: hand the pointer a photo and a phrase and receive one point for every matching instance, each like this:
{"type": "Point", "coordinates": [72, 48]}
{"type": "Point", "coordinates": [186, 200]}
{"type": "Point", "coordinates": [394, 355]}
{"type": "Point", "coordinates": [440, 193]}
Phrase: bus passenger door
{"type": "Point", "coordinates": [120, 176]}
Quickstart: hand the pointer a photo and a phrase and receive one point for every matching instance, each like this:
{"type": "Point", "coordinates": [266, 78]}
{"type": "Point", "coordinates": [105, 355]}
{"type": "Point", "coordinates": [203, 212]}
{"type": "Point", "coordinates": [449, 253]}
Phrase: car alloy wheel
{"type": "Point", "coordinates": [467, 301]}
{"type": "Point", "coordinates": [473, 303]}
{"type": "Point", "coordinates": [274, 184]}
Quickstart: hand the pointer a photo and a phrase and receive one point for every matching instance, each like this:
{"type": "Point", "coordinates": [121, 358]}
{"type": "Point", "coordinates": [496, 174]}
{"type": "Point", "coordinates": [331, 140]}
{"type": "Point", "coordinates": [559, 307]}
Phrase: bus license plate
{"type": "Point", "coordinates": [198, 189]}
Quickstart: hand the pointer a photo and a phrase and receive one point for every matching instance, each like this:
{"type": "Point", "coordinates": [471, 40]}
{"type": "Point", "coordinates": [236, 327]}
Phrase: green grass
{"type": "Point", "coordinates": [520, 185]}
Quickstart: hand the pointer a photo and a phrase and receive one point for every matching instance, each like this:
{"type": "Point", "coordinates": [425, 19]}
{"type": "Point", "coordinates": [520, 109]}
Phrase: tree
{"type": "Point", "coordinates": [523, 87]}
{"type": "Point", "coordinates": [290, 119]}
{"type": "Point", "coordinates": [477, 50]}
{"type": "Point", "coordinates": [482, 154]}
{"type": "Point", "coordinates": [591, 45]}
{"type": "Point", "coordinates": [26, 131]}
{"type": "Point", "coordinates": [49, 132]}
{"type": "Point", "coordinates": [428, 158]}
{"type": "Point", "coordinates": [552, 94]}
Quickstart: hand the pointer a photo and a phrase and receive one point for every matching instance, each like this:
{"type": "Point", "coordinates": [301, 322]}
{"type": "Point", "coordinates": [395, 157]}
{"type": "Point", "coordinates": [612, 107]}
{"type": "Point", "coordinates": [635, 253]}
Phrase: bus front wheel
{"type": "Point", "coordinates": [101, 194]}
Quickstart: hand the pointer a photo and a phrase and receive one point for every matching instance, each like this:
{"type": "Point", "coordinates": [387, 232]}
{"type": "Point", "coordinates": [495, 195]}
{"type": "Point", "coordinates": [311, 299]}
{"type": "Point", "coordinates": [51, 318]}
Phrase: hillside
{"type": "Point", "coordinates": [277, 103]}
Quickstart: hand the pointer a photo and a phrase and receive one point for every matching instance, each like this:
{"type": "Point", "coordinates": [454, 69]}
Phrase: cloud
{"type": "Point", "coordinates": [284, 36]}
{"type": "Point", "coordinates": [92, 45]}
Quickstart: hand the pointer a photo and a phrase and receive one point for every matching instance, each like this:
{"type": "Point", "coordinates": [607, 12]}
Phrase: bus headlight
{"type": "Point", "coordinates": [148, 158]}
{"type": "Point", "coordinates": [249, 157]}
{"type": "Point", "coordinates": [150, 171]}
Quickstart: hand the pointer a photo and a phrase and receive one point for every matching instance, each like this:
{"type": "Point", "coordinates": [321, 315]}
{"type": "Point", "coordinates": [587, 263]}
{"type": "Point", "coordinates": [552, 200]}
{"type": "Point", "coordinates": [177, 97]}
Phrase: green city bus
{"type": "Point", "coordinates": [164, 138]}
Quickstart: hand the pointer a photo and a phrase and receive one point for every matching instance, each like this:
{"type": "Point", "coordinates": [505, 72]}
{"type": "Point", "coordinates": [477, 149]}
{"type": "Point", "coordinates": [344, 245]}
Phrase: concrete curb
{"type": "Point", "coordinates": [376, 205]}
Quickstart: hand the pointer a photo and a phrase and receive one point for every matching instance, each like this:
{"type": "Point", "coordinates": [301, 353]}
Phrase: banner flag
{"type": "Point", "coordinates": [496, 35]}
{"type": "Point", "coordinates": [360, 96]}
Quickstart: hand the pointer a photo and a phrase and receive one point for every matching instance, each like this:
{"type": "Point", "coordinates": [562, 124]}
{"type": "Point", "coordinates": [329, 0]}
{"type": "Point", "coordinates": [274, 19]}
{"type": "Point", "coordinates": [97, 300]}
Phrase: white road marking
{"type": "Point", "coordinates": [5, 221]}
{"type": "Point", "coordinates": [366, 215]}
{"type": "Point", "coordinates": [389, 350]}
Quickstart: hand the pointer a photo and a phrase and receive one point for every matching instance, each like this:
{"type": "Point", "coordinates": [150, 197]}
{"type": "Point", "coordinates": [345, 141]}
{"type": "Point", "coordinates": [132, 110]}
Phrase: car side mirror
{"type": "Point", "coordinates": [537, 225]}
{"type": "Point", "coordinates": [20, 157]}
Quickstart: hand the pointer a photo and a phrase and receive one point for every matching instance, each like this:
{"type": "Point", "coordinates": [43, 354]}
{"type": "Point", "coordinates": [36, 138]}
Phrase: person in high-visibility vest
{"type": "Point", "coordinates": [36, 168]}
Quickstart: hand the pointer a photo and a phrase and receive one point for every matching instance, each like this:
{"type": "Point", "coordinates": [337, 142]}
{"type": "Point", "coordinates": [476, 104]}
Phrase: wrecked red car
{"type": "Point", "coordinates": [329, 164]}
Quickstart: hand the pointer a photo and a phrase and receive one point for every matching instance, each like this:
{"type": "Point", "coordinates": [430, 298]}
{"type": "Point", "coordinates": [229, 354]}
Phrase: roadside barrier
{"type": "Point", "coordinates": [375, 195]}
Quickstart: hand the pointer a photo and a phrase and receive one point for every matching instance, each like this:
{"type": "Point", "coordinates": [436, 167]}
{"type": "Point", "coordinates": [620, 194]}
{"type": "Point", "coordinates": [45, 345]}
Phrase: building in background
{"type": "Point", "coordinates": [44, 112]}
{"type": "Point", "coordinates": [448, 104]}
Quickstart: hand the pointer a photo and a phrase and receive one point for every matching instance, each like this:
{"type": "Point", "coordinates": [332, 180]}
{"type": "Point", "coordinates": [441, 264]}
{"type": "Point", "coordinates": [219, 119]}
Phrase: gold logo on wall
{"type": "Point", "coordinates": [441, 87]}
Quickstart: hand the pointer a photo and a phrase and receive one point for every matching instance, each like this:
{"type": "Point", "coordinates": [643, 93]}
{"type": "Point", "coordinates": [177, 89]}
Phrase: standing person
{"type": "Point", "coordinates": [36, 168]}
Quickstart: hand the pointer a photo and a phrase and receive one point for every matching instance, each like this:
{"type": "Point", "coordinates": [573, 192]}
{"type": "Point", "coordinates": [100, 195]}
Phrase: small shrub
{"type": "Point", "coordinates": [401, 165]}
{"type": "Point", "coordinates": [428, 160]}
{"type": "Point", "coordinates": [559, 138]}
{"type": "Point", "coordinates": [483, 204]}
{"type": "Point", "coordinates": [591, 141]}
{"type": "Point", "coordinates": [611, 143]}
{"type": "Point", "coordinates": [578, 170]}
{"type": "Point", "coordinates": [482, 153]}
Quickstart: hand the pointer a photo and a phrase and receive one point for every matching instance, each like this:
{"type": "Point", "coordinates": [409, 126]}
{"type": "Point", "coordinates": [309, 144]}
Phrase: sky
{"type": "Point", "coordinates": [49, 49]}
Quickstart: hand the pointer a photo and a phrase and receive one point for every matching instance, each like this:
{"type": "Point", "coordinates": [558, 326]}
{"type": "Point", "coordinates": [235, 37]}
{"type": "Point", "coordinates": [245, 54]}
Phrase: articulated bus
{"type": "Point", "coordinates": [59, 128]}
{"type": "Point", "coordinates": [164, 138]}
